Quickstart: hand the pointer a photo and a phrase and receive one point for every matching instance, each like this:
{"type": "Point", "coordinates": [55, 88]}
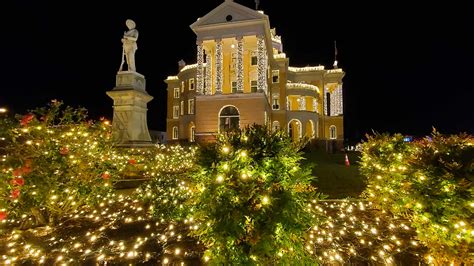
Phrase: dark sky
{"type": "Point", "coordinates": [408, 67]}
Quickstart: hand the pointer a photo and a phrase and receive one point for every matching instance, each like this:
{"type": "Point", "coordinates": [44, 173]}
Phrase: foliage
{"type": "Point", "coordinates": [251, 199]}
{"type": "Point", "coordinates": [431, 182]}
{"type": "Point", "coordinates": [117, 232]}
{"type": "Point", "coordinates": [56, 161]}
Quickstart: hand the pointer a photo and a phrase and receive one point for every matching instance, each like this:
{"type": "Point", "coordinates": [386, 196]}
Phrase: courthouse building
{"type": "Point", "coordinates": [242, 76]}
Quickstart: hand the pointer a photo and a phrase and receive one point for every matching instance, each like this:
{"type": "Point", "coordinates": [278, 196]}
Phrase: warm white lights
{"type": "Point", "coordinates": [240, 64]}
{"type": "Point", "coordinates": [261, 64]}
{"type": "Point", "coordinates": [219, 66]}
{"type": "Point", "coordinates": [200, 68]}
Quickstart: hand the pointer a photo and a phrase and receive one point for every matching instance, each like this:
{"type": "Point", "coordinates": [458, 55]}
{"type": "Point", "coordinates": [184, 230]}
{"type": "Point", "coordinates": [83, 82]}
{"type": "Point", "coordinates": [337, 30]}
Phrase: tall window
{"type": "Point", "coordinates": [229, 118]}
{"type": "Point", "coordinates": [175, 111]}
{"type": "Point", "coordinates": [328, 104]}
{"type": "Point", "coordinates": [275, 126]}
{"type": "Point", "coordinates": [192, 134]}
{"type": "Point", "coordinates": [191, 84]}
{"type": "Point", "coordinates": [233, 64]}
{"type": "Point", "coordinates": [234, 86]}
{"type": "Point", "coordinates": [253, 81]}
{"type": "Point", "coordinates": [176, 93]}
{"type": "Point", "coordinates": [276, 102]}
{"type": "Point", "coordinates": [182, 108]}
{"type": "Point", "coordinates": [191, 106]}
{"type": "Point", "coordinates": [254, 58]}
{"type": "Point", "coordinates": [253, 86]}
{"type": "Point", "coordinates": [175, 133]}
{"type": "Point", "coordinates": [275, 76]}
{"type": "Point", "coordinates": [332, 132]}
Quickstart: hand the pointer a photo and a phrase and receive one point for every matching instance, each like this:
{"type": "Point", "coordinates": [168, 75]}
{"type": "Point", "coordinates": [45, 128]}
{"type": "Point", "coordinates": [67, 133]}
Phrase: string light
{"type": "Point", "coordinates": [261, 64]}
{"type": "Point", "coordinates": [240, 64]}
{"type": "Point", "coordinates": [219, 65]}
{"type": "Point", "coordinates": [208, 87]}
{"type": "Point", "coordinates": [200, 68]}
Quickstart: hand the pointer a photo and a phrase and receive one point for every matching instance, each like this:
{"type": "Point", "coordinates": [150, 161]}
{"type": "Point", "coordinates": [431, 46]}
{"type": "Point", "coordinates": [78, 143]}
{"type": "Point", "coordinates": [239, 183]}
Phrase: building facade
{"type": "Point", "coordinates": [242, 77]}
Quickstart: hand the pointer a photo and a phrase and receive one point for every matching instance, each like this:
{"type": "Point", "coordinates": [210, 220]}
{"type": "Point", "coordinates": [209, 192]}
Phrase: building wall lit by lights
{"type": "Point", "coordinates": [242, 76]}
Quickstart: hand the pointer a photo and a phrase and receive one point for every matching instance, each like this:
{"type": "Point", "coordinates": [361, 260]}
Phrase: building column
{"type": "Point", "coordinates": [339, 103]}
{"type": "Point", "coordinates": [315, 105]}
{"type": "Point", "coordinates": [302, 103]}
{"type": "Point", "coordinates": [325, 97]}
{"type": "Point", "coordinates": [200, 68]}
{"type": "Point", "coordinates": [219, 58]}
{"type": "Point", "coordinates": [261, 64]}
{"type": "Point", "coordinates": [240, 64]}
{"type": "Point", "coordinates": [208, 87]}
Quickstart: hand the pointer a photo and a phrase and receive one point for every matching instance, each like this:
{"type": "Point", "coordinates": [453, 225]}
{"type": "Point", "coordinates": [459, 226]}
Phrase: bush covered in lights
{"type": "Point", "coordinates": [431, 182]}
{"type": "Point", "coordinates": [252, 200]}
{"type": "Point", "coordinates": [54, 162]}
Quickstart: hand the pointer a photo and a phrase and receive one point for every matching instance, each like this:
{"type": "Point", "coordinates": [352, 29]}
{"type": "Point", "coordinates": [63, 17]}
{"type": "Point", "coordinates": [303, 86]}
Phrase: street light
{"type": "Point", "coordinates": [3, 110]}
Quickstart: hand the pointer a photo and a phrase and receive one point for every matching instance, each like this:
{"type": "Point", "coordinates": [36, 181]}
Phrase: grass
{"type": "Point", "coordinates": [334, 178]}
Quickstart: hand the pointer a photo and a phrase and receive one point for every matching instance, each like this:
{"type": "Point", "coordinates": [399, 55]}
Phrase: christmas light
{"type": "Point", "coordinates": [208, 85]}
{"type": "Point", "coordinates": [240, 64]}
{"type": "Point", "coordinates": [200, 68]}
{"type": "Point", "coordinates": [219, 66]}
{"type": "Point", "coordinates": [261, 64]}
{"type": "Point", "coordinates": [306, 69]}
{"type": "Point", "coordinates": [302, 86]}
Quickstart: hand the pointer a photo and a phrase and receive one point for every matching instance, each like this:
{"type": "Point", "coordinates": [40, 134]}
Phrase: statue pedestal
{"type": "Point", "coordinates": [129, 124]}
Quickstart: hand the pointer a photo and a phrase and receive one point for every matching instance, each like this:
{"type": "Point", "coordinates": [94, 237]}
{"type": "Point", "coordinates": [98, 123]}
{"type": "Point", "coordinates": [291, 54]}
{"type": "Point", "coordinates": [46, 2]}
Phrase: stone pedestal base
{"type": "Point", "coordinates": [130, 106]}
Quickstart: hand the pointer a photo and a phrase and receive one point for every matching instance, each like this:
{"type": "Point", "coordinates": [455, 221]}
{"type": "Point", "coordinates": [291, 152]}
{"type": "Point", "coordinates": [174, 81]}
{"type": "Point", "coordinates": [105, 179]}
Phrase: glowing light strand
{"type": "Point", "coordinates": [240, 64]}
{"type": "Point", "coordinates": [208, 88]}
{"type": "Point", "coordinates": [200, 68]}
{"type": "Point", "coordinates": [315, 105]}
{"type": "Point", "coordinates": [302, 103]}
{"type": "Point", "coordinates": [261, 64]}
{"type": "Point", "coordinates": [219, 66]}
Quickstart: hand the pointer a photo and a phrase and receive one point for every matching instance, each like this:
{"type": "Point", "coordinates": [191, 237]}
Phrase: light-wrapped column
{"type": "Point", "coordinates": [315, 105]}
{"type": "Point", "coordinates": [325, 111]}
{"type": "Point", "coordinates": [339, 101]}
{"type": "Point", "coordinates": [219, 65]}
{"type": "Point", "coordinates": [302, 103]}
{"type": "Point", "coordinates": [261, 64]}
{"type": "Point", "coordinates": [208, 87]}
{"type": "Point", "coordinates": [333, 103]}
{"type": "Point", "coordinates": [200, 68]}
{"type": "Point", "coordinates": [240, 64]}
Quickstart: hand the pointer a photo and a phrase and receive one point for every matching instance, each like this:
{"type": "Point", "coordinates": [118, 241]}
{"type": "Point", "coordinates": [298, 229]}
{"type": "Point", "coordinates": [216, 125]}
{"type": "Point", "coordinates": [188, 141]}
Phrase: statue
{"type": "Point", "coordinates": [129, 41]}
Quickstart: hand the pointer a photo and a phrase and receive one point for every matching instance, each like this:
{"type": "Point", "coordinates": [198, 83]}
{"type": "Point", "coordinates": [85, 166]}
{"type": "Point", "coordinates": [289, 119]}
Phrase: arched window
{"type": "Point", "coordinates": [317, 129]}
{"type": "Point", "coordinates": [191, 132]}
{"type": "Point", "coordinates": [229, 118]}
{"type": "Point", "coordinates": [275, 126]}
{"type": "Point", "coordinates": [309, 129]}
{"type": "Point", "coordinates": [175, 133]}
{"type": "Point", "coordinates": [294, 129]}
{"type": "Point", "coordinates": [332, 132]}
{"type": "Point", "coordinates": [328, 104]}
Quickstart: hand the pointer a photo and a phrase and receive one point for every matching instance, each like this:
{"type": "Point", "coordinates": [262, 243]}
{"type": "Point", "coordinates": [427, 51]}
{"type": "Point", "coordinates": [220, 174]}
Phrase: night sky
{"type": "Point", "coordinates": [408, 68]}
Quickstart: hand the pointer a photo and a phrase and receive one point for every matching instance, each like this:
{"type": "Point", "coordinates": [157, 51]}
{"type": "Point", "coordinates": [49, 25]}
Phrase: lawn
{"type": "Point", "coordinates": [334, 178]}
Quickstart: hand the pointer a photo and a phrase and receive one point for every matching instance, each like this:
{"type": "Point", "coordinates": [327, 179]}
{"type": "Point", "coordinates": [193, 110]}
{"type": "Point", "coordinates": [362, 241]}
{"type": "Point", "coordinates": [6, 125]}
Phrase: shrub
{"type": "Point", "coordinates": [167, 191]}
{"type": "Point", "coordinates": [56, 161]}
{"type": "Point", "coordinates": [251, 199]}
{"type": "Point", "coordinates": [429, 181]}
